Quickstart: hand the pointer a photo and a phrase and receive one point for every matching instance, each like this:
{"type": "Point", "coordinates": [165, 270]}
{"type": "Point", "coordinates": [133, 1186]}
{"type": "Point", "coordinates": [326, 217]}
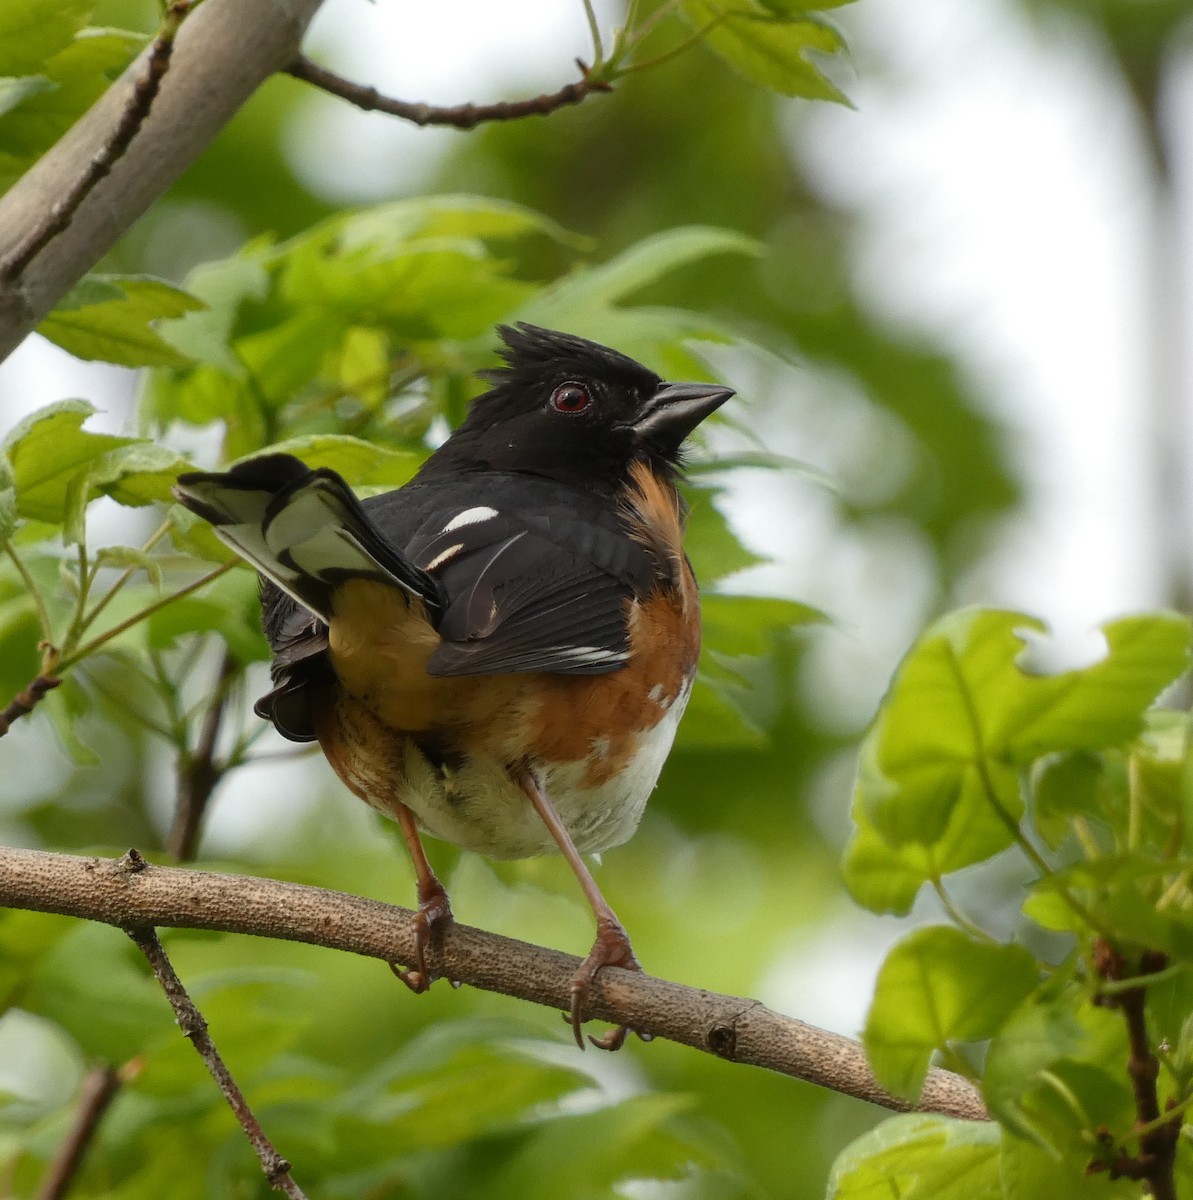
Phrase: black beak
{"type": "Point", "coordinates": [676, 409]}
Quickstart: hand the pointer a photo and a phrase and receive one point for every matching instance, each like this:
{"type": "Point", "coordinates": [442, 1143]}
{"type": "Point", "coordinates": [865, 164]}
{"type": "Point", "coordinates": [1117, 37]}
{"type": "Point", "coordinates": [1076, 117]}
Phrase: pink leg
{"type": "Point", "coordinates": [434, 908]}
{"type": "Point", "coordinates": [612, 946]}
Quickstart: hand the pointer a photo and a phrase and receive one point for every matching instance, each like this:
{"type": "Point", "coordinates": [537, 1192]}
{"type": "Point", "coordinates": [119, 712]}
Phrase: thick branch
{"type": "Point", "coordinates": [194, 1027]}
{"type": "Point", "coordinates": [222, 54]}
{"type": "Point", "coordinates": [140, 101]}
{"type": "Point", "coordinates": [458, 116]}
{"type": "Point", "coordinates": [740, 1030]}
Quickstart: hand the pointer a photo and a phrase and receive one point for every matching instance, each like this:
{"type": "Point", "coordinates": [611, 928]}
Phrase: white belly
{"type": "Point", "coordinates": [481, 808]}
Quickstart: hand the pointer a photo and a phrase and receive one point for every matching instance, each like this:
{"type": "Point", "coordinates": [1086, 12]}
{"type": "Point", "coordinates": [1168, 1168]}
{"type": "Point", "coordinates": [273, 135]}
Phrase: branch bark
{"type": "Point", "coordinates": [223, 52]}
{"type": "Point", "coordinates": [194, 1027]}
{"type": "Point", "coordinates": [126, 894]}
{"type": "Point", "coordinates": [456, 116]}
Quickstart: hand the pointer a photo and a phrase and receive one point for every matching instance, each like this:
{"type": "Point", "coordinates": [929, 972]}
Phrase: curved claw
{"type": "Point", "coordinates": [434, 911]}
{"type": "Point", "coordinates": [611, 949]}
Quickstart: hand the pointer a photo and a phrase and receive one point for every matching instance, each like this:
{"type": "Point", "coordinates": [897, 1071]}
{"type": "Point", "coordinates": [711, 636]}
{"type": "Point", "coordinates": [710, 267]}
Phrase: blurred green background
{"type": "Point", "coordinates": [951, 396]}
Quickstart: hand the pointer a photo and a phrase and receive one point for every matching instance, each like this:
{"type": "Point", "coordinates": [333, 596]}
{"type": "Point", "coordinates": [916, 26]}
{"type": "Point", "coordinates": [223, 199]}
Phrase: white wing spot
{"type": "Point", "coordinates": [444, 556]}
{"type": "Point", "coordinates": [589, 654]}
{"type": "Point", "coordinates": [470, 516]}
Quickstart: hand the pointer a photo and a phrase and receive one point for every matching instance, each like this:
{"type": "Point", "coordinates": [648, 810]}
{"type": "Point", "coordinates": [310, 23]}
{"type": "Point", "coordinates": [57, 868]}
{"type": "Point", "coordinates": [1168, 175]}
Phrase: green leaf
{"type": "Point", "coordinates": [361, 463]}
{"type": "Point", "coordinates": [937, 986]}
{"type": "Point", "coordinates": [205, 334]}
{"type": "Point", "coordinates": [8, 500]}
{"type": "Point", "coordinates": [642, 264]}
{"type": "Point", "coordinates": [1067, 785]}
{"type": "Point", "coordinates": [445, 216]}
{"type": "Point", "coordinates": [1038, 1035]}
{"type": "Point", "coordinates": [364, 365]}
{"type": "Point", "coordinates": [58, 467]}
{"type": "Point", "coordinates": [745, 624]}
{"type": "Point", "coordinates": [47, 450]}
{"type": "Point", "coordinates": [123, 557]}
{"type": "Point", "coordinates": [637, 1138]}
{"type": "Point", "coordinates": [118, 329]}
{"type": "Point", "coordinates": [885, 876]}
{"type": "Point", "coordinates": [78, 74]}
{"type": "Point", "coordinates": [20, 632]}
{"type": "Point", "coordinates": [919, 1157]}
{"type": "Point", "coordinates": [711, 544]}
{"type": "Point", "coordinates": [1121, 891]}
{"type": "Point", "coordinates": [33, 30]}
{"type": "Point", "coordinates": [962, 717]}
{"type": "Point", "coordinates": [768, 45]}
{"type": "Point", "coordinates": [882, 877]}
{"type": "Point", "coordinates": [15, 89]}
{"type": "Point", "coordinates": [714, 719]}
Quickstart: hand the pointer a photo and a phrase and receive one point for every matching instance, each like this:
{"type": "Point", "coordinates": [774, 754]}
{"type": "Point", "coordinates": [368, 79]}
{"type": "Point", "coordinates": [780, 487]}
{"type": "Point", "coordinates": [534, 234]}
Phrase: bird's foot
{"type": "Point", "coordinates": [434, 912]}
{"type": "Point", "coordinates": [611, 949]}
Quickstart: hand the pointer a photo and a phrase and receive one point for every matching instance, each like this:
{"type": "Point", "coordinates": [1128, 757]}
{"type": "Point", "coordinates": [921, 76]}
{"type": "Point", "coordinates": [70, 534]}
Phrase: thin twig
{"type": "Point", "coordinates": [458, 116]}
{"type": "Point", "coordinates": [23, 703]}
{"type": "Point", "coordinates": [193, 1026]}
{"type": "Point", "coordinates": [1158, 1134]}
{"type": "Point", "coordinates": [81, 652]}
{"type": "Point", "coordinates": [100, 1086]}
{"type": "Point", "coordinates": [730, 1027]}
{"type": "Point", "coordinates": [144, 92]}
{"type": "Point", "coordinates": [128, 572]}
{"type": "Point", "coordinates": [198, 772]}
{"type": "Point", "coordinates": [39, 601]}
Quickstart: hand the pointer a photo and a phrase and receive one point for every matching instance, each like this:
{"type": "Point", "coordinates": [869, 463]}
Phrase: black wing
{"type": "Point", "coordinates": [535, 579]}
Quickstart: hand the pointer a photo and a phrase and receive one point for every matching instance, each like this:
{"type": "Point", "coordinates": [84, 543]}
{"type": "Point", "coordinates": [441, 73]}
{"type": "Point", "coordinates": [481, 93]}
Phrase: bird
{"type": "Point", "coordinates": [497, 653]}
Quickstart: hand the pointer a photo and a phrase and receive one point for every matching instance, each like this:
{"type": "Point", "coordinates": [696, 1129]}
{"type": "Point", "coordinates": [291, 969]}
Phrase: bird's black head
{"type": "Point", "coordinates": [570, 409]}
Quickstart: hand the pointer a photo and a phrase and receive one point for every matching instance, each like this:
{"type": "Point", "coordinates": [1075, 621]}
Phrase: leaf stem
{"type": "Point", "coordinates": [959, 918]}
{"type": "Point", "coordinates": [39, 601]}
{"type": "Point", "coordinates": [1142, 1131]}
{"type": "Point", "coordinates": [598, 52]}
{"type": "Point", "coordinates": [69, 660]}
{"type": "Point", "coordinates": [675, 51]}
{"type": "Point", "coordinates": [128, 572]}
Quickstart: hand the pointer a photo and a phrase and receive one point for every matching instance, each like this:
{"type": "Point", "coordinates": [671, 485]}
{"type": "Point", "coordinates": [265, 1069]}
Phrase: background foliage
{"type": "Point", "coordinates": [673, 219]}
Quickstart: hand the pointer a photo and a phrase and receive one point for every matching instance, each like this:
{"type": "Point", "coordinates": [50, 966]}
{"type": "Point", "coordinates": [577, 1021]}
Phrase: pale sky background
{"type": "Point", "coordinates": [1004, 211]}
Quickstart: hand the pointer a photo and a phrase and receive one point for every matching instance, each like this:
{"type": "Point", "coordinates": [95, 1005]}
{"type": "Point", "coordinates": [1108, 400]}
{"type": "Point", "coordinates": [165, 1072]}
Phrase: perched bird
{"type": "Point", "coordinates": [499, 652]}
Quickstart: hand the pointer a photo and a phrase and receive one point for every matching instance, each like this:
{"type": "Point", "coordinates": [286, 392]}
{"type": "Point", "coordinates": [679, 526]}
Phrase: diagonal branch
{"type": "Point", "coordinates": [99, 1090]}
{"type": "Point", "coordinates": [140, 99]}
{"type": "Point", "coordinates": [729, 1027]}
{"type": "Point", "coordinates": [458, 116]}
{"type": "Point", "coordinates": [194, 1027]}
{"type": "Point", "coordinates": [224, 51]}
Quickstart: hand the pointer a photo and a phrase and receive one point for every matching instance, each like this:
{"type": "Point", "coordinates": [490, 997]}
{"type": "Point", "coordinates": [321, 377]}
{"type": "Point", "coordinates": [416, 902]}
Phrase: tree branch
{"type": "Point", "coordinates": [1156, 1159]}
{"type": "Point", "coordinates": [223, 52]}
{"type": "Point", "coordinates": [100, 1086]}
{"type": "Point", "coordinates": [729, 1027]}
{"type": "Point", "coordinates": [144, 91]}
{"type": "Point", "coordinates": [458, 116]}
{"type": "Point", "coordinates": [194, 1027]}
{"type": "Point", "coordinates": [199, 773]}
{"type": "Point", "coordinates": [23, 703]}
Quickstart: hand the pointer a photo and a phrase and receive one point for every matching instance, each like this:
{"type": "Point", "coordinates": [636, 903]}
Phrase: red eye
{"type": "Point", "coordinates": [570, 398]}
